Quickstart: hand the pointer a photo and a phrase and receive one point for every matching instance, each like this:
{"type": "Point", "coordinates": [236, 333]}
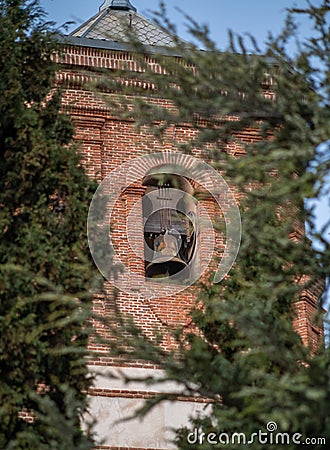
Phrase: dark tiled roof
{"type": "Point", "coordinates": [114, 24]}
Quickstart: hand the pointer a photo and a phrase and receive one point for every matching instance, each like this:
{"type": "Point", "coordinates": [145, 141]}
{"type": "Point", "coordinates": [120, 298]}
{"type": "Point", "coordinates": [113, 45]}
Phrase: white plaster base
{"type": "Point", "coordinates": [155, 430]}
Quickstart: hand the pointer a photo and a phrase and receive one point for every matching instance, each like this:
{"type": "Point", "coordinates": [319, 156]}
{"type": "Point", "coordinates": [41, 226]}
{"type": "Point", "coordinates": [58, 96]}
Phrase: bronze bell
{"type": "Point", "coordinates": [166, 261]}
{"type": "Point", "coordinates": [169, 213]}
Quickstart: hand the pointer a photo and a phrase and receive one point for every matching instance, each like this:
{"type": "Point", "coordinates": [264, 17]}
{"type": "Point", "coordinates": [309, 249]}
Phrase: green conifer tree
{"type": "Point", "coordinates": [247, 358]}
{"type": "Point", "coordinates": [46, 276]}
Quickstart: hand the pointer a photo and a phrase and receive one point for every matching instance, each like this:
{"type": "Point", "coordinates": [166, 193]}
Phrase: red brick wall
{"type": "Point", "coordinates": [106, 142]}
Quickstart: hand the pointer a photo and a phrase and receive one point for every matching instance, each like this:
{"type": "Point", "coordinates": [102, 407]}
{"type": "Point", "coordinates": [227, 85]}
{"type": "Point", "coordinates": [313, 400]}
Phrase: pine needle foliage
{"type": "Point", "coordinates": [247, 358]}
{"type": "Point", "coordinates": [46, 276]}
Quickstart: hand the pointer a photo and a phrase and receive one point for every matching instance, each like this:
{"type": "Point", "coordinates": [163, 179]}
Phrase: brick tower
{"type": "Point", "coordinates": [165, 239]}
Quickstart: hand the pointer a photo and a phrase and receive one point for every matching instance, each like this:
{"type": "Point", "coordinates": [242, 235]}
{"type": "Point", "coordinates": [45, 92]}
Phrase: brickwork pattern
{"type": "Point", "coordinates": [106, 142]}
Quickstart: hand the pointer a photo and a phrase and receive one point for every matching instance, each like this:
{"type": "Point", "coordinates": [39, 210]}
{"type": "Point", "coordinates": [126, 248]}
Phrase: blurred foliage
{"type": "Point", "coordinates": [246, 357]}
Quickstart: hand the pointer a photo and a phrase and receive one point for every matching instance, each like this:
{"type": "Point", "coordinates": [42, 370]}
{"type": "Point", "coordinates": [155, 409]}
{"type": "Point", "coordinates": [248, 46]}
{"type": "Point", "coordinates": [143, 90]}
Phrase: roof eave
{"type": "Point", "coordinates": [106, 44]}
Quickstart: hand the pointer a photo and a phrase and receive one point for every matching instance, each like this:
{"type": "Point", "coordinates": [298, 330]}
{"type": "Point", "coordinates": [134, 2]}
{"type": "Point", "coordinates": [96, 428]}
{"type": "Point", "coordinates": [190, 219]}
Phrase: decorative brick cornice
{"type": "Point", "coordinates": [73, 79]}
